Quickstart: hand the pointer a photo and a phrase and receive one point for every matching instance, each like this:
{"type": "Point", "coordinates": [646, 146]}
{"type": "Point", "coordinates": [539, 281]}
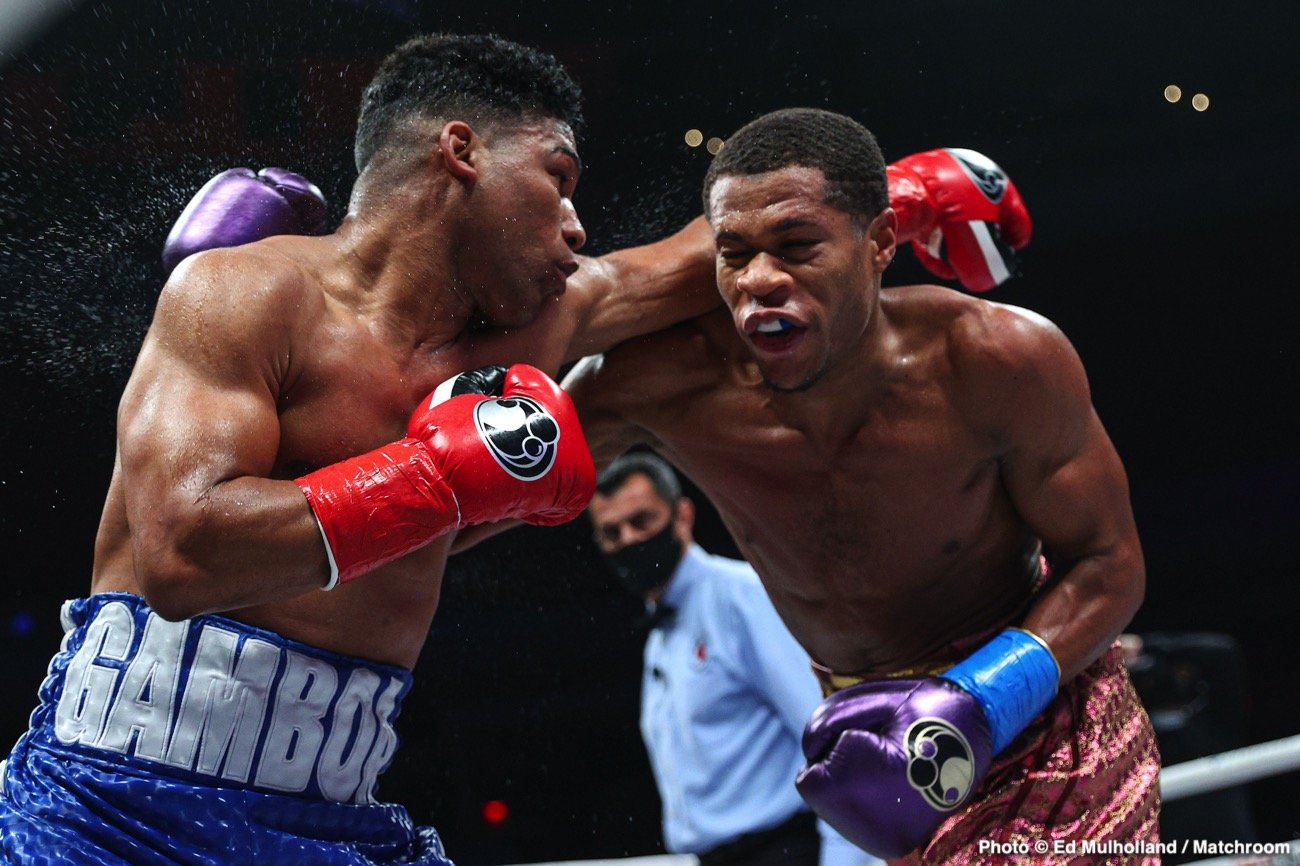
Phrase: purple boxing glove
{"type": "Point", "coordinates": [239, 206]}
{"type": "Point", "coordinates": [889, 760]}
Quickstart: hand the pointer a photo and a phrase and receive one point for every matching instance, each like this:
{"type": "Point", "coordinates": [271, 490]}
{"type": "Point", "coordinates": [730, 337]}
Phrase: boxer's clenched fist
{"type": "Point", "coordinates": [963, 215]}
{"type": "Point", "coordinates": [473, 454]}
{"type": "Point", "coordinates": [239, 206]}
{"type": "Point", "coordinates": [889, 760]}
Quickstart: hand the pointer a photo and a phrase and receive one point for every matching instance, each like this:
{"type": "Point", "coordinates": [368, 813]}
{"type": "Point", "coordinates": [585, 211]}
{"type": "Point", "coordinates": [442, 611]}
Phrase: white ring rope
{"type": "Point", "coordinates": [1230, 768]}
{"type": "Point", "coordinates": [1181, 780]}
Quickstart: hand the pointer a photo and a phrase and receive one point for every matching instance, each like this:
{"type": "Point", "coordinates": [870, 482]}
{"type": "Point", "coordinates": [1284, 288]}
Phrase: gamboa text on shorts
{"type": "Point", "coordinates": [213, 701]}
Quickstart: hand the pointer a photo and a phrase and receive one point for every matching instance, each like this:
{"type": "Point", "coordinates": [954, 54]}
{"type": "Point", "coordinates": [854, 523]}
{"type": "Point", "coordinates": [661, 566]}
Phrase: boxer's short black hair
{"type": "Point", "coordinates": [661, 475]}
{"type": "Point", "coordinates": [471, 77]}
{"type": "Point", "coordinates": [845, 151]}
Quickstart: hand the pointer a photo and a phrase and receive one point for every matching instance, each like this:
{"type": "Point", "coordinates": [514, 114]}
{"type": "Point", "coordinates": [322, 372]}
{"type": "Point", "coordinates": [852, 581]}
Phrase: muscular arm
{"type": "Point", "coordinates": [198, 434]}
{"type": "Point", "coordinates": [613, 298]}
{"type": "Point", "coordinates": [1067, 482]}
{"type": "Point", "coordinates": [644, 289]}
{"type": "Point", "coordinates": [597, 390]}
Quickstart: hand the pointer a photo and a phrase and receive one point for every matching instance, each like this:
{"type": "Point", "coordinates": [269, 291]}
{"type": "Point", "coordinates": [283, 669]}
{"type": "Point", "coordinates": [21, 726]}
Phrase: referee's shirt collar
{"type": "Point", "coordinates": [688, 572]}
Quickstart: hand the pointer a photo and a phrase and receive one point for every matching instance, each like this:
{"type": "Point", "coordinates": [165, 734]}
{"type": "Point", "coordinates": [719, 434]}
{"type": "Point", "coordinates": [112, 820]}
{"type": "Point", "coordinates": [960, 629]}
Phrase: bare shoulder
{"type": "Point", "coordinates": [978, 336]}
{"type": "Point", "coordinates": [240, 283]}
{"type": "Point", "coordinates": [236, 310]}
{"type": "Point", "coordinates": [1012, 368]}
{"type": "Point", "coordinates": [999, 362]}
{"type": "Point", "coordinates": [1014, 338]}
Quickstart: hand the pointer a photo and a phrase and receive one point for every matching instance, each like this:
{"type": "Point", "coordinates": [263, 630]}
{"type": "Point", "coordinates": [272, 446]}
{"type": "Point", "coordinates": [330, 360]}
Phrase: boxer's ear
{"type": "Point", "coordinates": [882, 233]}
{"type": "Point", "coordinates": [457, 146]}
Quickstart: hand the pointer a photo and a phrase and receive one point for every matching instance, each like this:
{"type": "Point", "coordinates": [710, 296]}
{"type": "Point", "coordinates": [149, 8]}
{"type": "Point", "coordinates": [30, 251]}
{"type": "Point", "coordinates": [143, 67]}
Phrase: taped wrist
{"type": "Point", "coordinates": [379, 506]}
{"type": "Point", "coordinates": [1014, 677]}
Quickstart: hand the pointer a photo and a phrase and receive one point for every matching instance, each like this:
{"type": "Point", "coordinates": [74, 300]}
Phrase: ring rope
{"type": "Point", "coordinates": [1230, 768]}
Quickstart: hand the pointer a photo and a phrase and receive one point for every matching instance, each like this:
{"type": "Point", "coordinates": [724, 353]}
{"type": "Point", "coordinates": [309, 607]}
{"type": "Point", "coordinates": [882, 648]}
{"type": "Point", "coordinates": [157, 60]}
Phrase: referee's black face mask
{"type": "Point", "coordinates": [647, 565]}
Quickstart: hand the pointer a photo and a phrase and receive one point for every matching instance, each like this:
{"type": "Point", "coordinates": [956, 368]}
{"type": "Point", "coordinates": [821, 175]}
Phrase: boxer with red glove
{"type": "Point", "coordinates": [963, 215]}
{"type": "Point", "coordinates": [889, 760]}
{"type": "Point", "coordinates": [239, 206]}
{"type": "Point", "coordinates": [488, 445]}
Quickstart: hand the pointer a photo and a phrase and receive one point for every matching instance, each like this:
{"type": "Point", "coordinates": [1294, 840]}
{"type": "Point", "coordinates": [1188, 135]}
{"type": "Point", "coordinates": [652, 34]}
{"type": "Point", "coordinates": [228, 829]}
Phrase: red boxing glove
{"type": "Point", "coordinates": [962, 214]}
{"type": "Point", "coordinates": [527, 457]}
{"type": "Point", "coordinates": [469, 457]}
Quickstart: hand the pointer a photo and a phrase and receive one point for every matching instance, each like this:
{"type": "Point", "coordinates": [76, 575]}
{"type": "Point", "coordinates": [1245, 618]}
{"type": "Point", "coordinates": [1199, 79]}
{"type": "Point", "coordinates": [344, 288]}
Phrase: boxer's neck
{"type": "Point", "coordinates": [398, 270]}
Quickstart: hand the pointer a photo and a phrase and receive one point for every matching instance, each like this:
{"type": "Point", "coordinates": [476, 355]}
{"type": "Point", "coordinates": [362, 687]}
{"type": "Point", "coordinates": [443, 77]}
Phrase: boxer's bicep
{"type": "Point", "coordinates": [198, 434]}
{"type": "Point", "coordinates": [1081, 511]}
{"type": "Point", "coordinates": [642, 289]}
{"type": "Point", "coordinates": [196, 411]}
{"type": "Point", "coordinates": [1076, 502]}
{"type": "Point", "coordinates": [1059, 465]}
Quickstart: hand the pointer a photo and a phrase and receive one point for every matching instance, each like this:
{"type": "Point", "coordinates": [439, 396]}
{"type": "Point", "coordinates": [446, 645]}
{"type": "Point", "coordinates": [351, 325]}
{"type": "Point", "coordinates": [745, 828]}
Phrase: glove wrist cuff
{"type": "Point", "coordinates": [378, 506]}
{"type": "Point", "coordinates": [333, 580]}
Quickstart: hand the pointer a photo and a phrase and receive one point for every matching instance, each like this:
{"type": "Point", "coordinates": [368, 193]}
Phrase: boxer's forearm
{"type": "Point", "coordinates": [239, 543]}
{"type": "Point", "coordinates": [1086, 608]}
{"type": "Point", "coordinates": [644, 289]}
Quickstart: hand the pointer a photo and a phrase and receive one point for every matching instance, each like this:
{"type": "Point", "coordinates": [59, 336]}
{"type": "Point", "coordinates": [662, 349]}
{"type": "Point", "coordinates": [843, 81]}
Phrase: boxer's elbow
{"type": "Point", "coordinates": [1135, 585]}
{"type": "Point", "coordinates": [1108, 582]}
{"type": "Point", "coordinates": [169, 588]}
{"type": "Point", "coordinates": [1120, 581]}
{"type": "Point", "coordinates": [170, 584]}
{"type": "Point", "coordinates": [171, 573]}
{"type": "Point", "coordinates": [165, 608]}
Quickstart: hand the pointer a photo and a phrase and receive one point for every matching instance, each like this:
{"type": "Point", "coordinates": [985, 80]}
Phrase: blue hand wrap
{"type": "Point", "coordinates": [1013, 676]}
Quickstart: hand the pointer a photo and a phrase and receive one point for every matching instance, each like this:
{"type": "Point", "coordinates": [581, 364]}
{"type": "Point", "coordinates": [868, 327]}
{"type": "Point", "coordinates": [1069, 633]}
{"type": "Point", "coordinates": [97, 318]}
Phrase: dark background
{"type": "Point", "coordinates": [1163, 246]}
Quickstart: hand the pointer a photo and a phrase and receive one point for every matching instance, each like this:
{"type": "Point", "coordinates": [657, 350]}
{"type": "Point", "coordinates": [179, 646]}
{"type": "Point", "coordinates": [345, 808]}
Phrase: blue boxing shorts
{"type": "Point", "coordinates": [206, 741]}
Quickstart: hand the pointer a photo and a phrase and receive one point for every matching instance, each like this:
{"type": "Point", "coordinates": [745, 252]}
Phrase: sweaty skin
{"type": "Point", "coordinates": [267, 361]}
{"type": "Point", "coordinates": [893, 464]}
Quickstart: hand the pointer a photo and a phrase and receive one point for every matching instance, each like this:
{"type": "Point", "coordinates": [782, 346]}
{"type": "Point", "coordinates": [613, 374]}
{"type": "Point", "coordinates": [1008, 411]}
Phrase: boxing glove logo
{"type": "Point", "coordinates": [982, 171]}
{"type": "Point", "coordinates": [940, 763]}
{"type": "Point", "coordinates": [519, 434]}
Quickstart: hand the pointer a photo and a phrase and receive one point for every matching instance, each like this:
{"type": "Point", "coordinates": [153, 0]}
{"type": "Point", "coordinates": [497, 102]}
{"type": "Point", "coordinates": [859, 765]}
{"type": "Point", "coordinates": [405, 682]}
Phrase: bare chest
{"type": "Point", "coordinates": [867, 544]}
{"type": "Point", "coordinates": [353, 398]}
{"type": "Point", "coordinates": [900, 497]}
{"type": "Point", "coordinates": [353, 392]}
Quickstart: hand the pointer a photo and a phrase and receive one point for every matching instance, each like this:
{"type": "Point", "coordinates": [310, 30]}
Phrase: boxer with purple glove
{"type": "Point", "coordinates": [896, 463]}
{"type": "Point", "coordinates": [889, 760]}
{"type": "Point", "coordinates": [239, 206]}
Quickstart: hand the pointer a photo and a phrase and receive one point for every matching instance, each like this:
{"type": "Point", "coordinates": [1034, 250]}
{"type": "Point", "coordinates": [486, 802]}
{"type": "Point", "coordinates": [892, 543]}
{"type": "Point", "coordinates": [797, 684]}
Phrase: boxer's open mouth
{"type": "Point", "coordinates": [775, 335]}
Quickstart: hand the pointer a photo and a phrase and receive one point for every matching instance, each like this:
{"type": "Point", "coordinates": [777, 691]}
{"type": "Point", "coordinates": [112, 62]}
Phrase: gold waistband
{"type": "Point", "coordinates": [832, 682]}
